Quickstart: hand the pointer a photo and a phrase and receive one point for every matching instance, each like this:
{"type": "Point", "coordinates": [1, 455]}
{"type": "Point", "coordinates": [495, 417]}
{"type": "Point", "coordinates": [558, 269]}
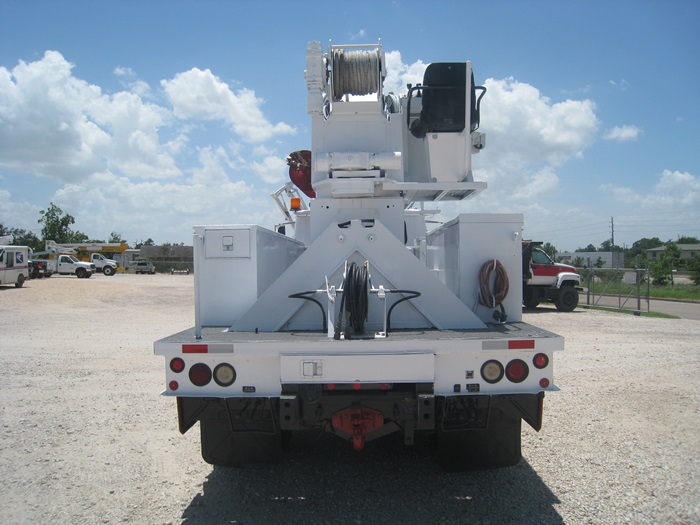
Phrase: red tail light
{"type": "Point", "coordinates": [177, 365]}
{"type": "Point", "coordinates": [200, 374]}
{"type": "Point", "coordinates": [540, 361]}
{"type": "Point", "coordinates": [517, 371]}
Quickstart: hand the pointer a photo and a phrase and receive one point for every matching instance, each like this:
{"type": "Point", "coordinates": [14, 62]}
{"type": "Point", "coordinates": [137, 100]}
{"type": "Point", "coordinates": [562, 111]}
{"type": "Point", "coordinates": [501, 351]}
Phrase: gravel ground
{"type": "Point", "coordinates": [86, 438]}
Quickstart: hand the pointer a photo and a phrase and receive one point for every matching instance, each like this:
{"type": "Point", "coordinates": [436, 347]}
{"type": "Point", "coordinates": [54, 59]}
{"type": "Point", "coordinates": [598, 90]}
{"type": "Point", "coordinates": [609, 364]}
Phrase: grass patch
{"type": "Point", "coordinates": [657, 315]}
{"type": "Point", "coordinates": [678, 292]}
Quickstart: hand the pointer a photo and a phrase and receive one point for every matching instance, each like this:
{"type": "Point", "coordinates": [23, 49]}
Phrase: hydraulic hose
{"type": "Point", "coordinates": [354, 302]}
{"type": "Point", "coordinates": [494, 298]}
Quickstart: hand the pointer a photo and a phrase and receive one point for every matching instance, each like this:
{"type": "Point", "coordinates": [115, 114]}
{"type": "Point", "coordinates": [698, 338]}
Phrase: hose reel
{"type": "Point", "coordinates": [493, 298]}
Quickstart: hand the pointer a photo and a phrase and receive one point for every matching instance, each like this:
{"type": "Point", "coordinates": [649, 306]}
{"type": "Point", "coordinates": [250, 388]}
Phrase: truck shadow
{"type": "Point", "coordinates": [325, 481]}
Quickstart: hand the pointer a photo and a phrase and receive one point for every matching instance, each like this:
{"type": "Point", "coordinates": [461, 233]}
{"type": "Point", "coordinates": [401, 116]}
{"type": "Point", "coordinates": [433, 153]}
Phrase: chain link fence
{"type": "Point", "coordinates": [619, 288]}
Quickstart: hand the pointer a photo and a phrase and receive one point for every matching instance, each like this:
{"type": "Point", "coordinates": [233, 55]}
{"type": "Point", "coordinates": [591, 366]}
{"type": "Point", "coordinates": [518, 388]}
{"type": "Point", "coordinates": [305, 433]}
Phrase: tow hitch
{"type": "Point", "coordinates": [357, 421]}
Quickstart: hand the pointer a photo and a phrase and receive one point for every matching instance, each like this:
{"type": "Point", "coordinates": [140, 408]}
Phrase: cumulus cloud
{"type": "Point", "coordinates": [62, 127]}
{"type": "Point", "coordinates": [400, 74]}
{"type": "Point", "coordinates": [528, 127]}
{"type": "Point", "coordinates": [673, 190]}
{"type": "Point", "coordinates": [197, 94]}
{"type": "Point", "coordinates": [623, 133]}
{"type": "Point", "coordinates": [126, 163]}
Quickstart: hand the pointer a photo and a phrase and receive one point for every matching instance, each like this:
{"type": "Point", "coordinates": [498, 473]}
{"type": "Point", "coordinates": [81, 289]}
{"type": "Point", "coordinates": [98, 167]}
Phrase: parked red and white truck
{"type": "Point", "coordinates": [358, 321]}
{"type": "Point", "coordinates": [546, 280]}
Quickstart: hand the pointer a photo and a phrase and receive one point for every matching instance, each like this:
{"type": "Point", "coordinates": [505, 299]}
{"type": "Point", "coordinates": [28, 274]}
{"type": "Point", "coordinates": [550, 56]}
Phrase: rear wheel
{"type": "Point", "coordinates": [567, 299]}
{"type": "Point", "coordinates": [530, 303]}
{"type": "Point", "coordinates": [497, 445]}
{"type": "Point", "coordinates": [20, 281]}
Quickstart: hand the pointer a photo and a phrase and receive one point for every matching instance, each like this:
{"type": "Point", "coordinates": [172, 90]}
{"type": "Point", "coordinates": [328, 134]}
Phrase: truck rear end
{"type": "Point", "coordinates": [357, 320]}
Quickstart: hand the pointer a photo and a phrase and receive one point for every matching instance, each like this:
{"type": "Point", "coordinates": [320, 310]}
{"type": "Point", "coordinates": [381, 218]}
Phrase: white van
{"type": "Point", "coordinates": [14, 265]}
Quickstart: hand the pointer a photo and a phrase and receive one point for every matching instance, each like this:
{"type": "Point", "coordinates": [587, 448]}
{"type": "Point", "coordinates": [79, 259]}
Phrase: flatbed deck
{"type": "Point", "coordinates": [397, 340]}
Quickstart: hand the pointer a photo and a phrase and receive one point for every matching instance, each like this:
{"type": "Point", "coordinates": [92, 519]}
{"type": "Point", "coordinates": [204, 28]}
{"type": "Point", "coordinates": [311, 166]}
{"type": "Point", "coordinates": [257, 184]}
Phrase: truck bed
{"type": "Point", "coordinates": [293, 339]}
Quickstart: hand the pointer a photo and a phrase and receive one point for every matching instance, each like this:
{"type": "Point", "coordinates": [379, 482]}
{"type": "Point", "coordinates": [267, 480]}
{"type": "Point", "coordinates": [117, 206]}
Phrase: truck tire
{"type": "Point", "coordinates": [225, 448]}
{"type": "Point", "coordinates": [496, 446]}
{"type": "Point", "coordinates": [108, 270]}
{"type": "Point", "coordinates": [531, 303]}
{"type": "Point", "coordinates": [567, 299]}
{"type": "Point", "coordinates": [81, 273]}
{"type": "Point", "coordinates": [20, 281]}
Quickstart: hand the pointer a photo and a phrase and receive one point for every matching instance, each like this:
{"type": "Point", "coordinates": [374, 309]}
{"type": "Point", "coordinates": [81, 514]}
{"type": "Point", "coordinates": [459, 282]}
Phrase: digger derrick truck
{"type": "Point", "coordinates": [358, 321]}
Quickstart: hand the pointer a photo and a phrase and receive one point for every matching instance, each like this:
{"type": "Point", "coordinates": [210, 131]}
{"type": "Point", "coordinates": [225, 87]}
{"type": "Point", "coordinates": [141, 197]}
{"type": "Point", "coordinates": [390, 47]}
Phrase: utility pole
{"type": "Point", "coordinates": [612, 232]}
{"type": "Point", "coordinates": [612, 242]}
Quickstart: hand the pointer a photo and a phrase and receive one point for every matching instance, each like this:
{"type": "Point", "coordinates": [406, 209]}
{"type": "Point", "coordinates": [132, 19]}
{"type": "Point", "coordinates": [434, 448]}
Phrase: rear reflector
{"type": "Point", "coordinates": [507, 344]}
{"type": "Point", "coordinates": [518, 344]}
{"type": "Point", "coordinates": [195, 349]}
{"type": "Point", "coordinates": [214, 348]}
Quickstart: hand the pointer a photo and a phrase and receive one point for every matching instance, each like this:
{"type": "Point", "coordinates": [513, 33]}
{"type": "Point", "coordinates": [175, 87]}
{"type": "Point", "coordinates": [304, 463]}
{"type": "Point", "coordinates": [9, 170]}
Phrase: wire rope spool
{"type": "Point", "coordinates": [493, 297]}
{"type": "Point", "coordinates": [355, 72]}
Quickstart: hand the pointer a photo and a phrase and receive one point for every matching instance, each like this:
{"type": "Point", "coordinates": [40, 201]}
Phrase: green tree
{"type": "Point", "coordinates": [684, 239]}
{"type": "Point", "coordinates": [608, 246]}
{"type": "Point", "coordinates": [116, 237]}
{"type": "Point", "coordinates": [694, 268]}
{"type": "Point", "coordinates": [26, 238]}
{"type": "Point", "coordinates": [662, 270]}
{"type": "Point", "coordinates": [549, 249]}
{"type": "Point", "coordinates": [639, 249]}
{"type": "Point", "coordinates": [147, 242]}
{"type": "Point", "coordinates": [589, 248]}
{"type": "Point", "coordinates": [56, 225]}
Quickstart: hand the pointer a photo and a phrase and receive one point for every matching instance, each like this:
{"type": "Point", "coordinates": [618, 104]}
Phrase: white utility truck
{"type": "Point", "coordinates": [103, 264]}
{"type": "Point", "coordinates": [87, 252]}
{"type": "Point", "coordinates": [358, 321]}
{"type": "Point", "coordinates": [14, 264]}
{"type": "Point", "coordinates": [66, 264]}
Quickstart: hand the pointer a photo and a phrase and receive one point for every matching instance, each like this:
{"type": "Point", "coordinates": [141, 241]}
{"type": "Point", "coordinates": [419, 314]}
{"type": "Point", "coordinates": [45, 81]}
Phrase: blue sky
{"type": "Point", "coordinates": [145, 118]}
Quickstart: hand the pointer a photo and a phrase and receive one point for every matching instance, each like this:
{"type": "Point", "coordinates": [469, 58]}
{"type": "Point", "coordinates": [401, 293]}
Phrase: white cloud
{"type": "Point", "coordinates": [197, 94]}
{"type": "Point", "coordinates": [272, 170]}
{"type": "Point", "coordinates": [674, 190]}
{"type": "Point", "coordinates": [400, 74]}
{"type": "Point", "coordinates": [61, 127]}
{"type": "Point", "coordinates": [623, 133]}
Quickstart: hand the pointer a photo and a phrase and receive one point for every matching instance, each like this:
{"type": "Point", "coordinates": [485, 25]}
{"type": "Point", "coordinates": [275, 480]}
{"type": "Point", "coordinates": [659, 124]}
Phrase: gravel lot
{"type": "Point", "coordinates": [86, 437]}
